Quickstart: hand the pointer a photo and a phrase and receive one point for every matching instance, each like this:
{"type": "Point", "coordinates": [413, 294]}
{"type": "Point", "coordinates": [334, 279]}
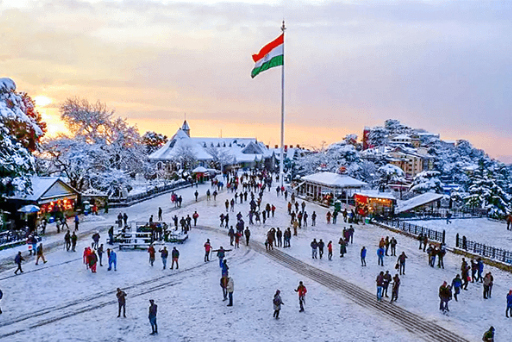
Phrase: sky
{"type": "Point", "coordinates": [439, 65]}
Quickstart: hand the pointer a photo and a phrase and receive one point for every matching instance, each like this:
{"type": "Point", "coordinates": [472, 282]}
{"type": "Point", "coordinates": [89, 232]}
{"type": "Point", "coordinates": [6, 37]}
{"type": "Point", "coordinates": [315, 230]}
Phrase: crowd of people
{"type": "Point", "coordinates": [251, 188]}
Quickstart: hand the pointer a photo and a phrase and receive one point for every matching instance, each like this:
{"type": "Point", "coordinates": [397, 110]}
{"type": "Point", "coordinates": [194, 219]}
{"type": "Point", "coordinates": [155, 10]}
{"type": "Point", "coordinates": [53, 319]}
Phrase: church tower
{"type": "Point", "coordinates": [185, 128]}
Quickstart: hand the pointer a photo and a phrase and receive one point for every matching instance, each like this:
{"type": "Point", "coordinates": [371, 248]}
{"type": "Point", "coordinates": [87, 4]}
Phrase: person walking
{"type": "Point", "coordinates": [207, 249]}
{"type": "Point", "coordinates": [314, 248]}
{"type": "Point", "coordinates": [387, 281]}
{"type": "Point", "coordinates": [393, 244]}
{"type": "Point", "coordinates": [321, 245]}
{"type": "Point", "coordinates": [95, 239]}
{"type": "Point", "coordinates": [92, 260]}
{"type": "Point", "coordinates": [247, 233]}
{"type": "Point", "coordinates": [380, 285]}
{"type": "Point", "coordinates": [175, 254]}
{"type": "Point", "coordinates": [224, 286]}
{"type": "Point", "coordinates": [401, 263]}
{"type": "Point", "coordinates": [40, 254]}
{"type": "Point", "coordinates": [195, 216]}
{"type": "Point", "coordinates": [380, 255]}
{"type": "Point", "coordinates": [456, 286]}
{"type": "Point", "coordinates": [363, 256]}
{"type": "Point", "coordinates": [313, 219]}
{"type": "Point", "coordinates": [160, 214]}
{"type": "Point", "coordinates": [509, 304]}
{"type": "Point", "coordinates": [164, 253]}
{"type": "Point", "coordinates": [100, 254]}
{"type": "Point", "coordinates": [17, 260]}
{"type": "Point", "coordinates": [74, 239]}
{"type": "Point", "coordinates": [1, 295]}
{"type": "Point", "coordinates": [343, 247]}
{"type": "Point", "coordinates": [396, 286]}
{"type": "Point", "coordinates": [67, 240]}
{"type": "Point", "coordinates": [152, 317]}
{"type": "Point", "coordinates": [329, 250]}
{"type": "Point", "coordinates": [488, 279]}
{"type": "Point", "coordinates": [301, 290]}
{"type": "Point", "coordinates": [230, 288]}
{"type": "Point", "coordinates": [277, 304]}
{"type": "Point", "coordinates": [444, 296]}
{"type": "Point", "coordinates": [152, 254]}
{"type": "Point", "coordinates": [112, 259]}
{"type": "Point", "coordinates": [77, 222]}
{"type": "Point", "coordinates": [121, 301]}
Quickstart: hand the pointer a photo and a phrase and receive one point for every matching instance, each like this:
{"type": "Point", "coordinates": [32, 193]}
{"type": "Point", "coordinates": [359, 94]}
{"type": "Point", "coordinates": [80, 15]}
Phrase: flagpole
{"type": "Point", "coordinates": [281, 165]}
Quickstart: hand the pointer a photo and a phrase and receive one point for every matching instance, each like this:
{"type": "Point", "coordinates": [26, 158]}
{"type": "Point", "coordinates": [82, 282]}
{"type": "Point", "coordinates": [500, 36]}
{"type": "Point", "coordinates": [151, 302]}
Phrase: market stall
{"type": "Point", "coordinates": [374, 202]}
{"type": "Point", "coordinates": [327, 186]}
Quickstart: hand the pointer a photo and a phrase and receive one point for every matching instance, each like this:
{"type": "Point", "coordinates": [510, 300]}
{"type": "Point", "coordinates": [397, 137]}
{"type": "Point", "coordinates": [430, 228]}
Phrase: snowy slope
{"type": "Point", "coordinates": [82, 306]}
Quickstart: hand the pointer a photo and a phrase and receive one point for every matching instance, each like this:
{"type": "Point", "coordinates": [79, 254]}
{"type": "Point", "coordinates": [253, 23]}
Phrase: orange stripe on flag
{"type": "Point", "coordinates": [267, 48]}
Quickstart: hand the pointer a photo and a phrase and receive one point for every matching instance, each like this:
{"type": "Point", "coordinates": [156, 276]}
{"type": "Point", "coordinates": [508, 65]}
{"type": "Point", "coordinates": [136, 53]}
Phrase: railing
{"type": "Point", "coordinates": [157, 190]}
{"type": "Point", "coordinates": [416, 230]}
{"type": "Point", "coordinates": [484, 250]}
{"type": "Point", "coordinates": [12, 238]}
{"type": "Point", "coordinates": [441, 215]}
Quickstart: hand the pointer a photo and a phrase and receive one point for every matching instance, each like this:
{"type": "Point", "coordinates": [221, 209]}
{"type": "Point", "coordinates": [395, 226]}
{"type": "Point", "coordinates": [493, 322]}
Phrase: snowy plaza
{"type": "Point", "coordinates": [63, 301]}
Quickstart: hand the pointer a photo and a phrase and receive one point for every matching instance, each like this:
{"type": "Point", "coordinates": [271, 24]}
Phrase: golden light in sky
{"type": "Point", "coordinates": [42, 101]}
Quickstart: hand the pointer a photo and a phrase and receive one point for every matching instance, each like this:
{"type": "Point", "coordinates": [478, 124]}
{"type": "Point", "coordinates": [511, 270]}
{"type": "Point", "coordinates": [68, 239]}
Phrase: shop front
{"type": "Point", "coordinates": [373, 202]}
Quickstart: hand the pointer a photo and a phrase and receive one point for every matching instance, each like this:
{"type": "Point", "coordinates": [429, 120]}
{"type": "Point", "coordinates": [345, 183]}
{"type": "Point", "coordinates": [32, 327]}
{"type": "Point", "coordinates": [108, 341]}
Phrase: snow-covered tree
{"type": "Point", "coordinates": [378, 136]}
{"type": "Point", "coordinates": [153, 141]}
{"type": "Point", "coordinates": [427, 181]}
{"type": "Point", "coordinates": [221, 156]}
{"type": "Point", "coordinates": [389, 174]}
{"type": "Point", "coordinates": [16, 123]}
{"type": "Point", "coordinates": [99, 149]}
{"type": "Point", "coordinates": [186, 157]}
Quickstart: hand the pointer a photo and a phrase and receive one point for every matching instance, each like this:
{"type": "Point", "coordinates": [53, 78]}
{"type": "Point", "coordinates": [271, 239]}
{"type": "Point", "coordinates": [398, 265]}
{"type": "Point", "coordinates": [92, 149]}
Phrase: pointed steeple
{"type": "Point", "coordinates": [185, 128]}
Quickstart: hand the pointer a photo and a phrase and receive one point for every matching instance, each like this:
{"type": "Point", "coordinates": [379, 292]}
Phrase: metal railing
{"type": "Point", "coordinates": [157, 190]}
{"type": "Point", "coordinates": [416, 230]}
{"type": "Point", "coordinates": [441, 214]}
{"type": "Point", "coordinates": [490, 252]}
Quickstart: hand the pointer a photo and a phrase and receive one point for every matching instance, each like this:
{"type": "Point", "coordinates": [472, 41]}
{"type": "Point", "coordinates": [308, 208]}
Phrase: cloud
{"type": "Point", "coordinates": [443, 66]}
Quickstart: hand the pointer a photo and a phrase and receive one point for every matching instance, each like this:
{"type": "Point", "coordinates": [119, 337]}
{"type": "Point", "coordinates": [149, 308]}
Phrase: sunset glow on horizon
{"type": "Point", "coordinates": [442, 67]}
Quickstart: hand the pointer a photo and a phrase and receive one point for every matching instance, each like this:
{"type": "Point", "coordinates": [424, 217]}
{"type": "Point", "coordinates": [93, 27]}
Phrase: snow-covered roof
{"type": "Point", "coordinates": [45, 187]}
{"type": "Point", "coordinates": [334, 180]}
{"type": "Point", "coordinates": [242, 150]}
{"type": "Point", "coordinates": [418, 201]}
{"type": "Point", "coordinates": [200, 169]}
{"type": "Point", "coordinates": [375, 194]}
{"type": "Point", "coordinates": [402, 137]}
{"type": "Point", "coordinates": [179, 142]}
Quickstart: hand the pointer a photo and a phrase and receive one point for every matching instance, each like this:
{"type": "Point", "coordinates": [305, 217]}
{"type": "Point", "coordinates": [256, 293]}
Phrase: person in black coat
{"type": "Point", "coordinates": [18, 259]}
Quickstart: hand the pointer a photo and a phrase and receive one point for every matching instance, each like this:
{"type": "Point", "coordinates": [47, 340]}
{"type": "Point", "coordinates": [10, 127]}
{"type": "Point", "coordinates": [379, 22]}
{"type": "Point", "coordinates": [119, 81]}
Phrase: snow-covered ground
{"type": "Point", "coordinates": [489, 232]}
{"type": "Point", "coordinates": [62, 301]}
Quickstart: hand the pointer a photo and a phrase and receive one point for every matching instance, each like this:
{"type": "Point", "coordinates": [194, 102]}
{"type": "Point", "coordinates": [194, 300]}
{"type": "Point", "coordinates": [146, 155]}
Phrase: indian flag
{"type": "Point", "coordinates": [271, 55]}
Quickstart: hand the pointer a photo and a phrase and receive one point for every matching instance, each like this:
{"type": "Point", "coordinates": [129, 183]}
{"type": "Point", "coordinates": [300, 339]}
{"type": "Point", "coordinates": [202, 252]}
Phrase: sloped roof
{"type": "Point", "coordinates": [418, 201]}
{"type": "Point", "coordinates": [375, 194]}
{"type": "Point", "coordinates": [43, 187]}
{"type": "Point", "coordinates": [334, 180]}
{"type": "Point", "coordinates": [172, 149]}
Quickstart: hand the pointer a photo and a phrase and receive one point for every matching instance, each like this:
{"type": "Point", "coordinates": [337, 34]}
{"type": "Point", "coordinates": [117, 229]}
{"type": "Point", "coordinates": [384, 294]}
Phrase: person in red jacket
{"type": "Point", "coordinates": [207, 249]}
{"type": "Point", "coordinates": [195, 216]}
{"type": "Point", "coordinates": [301, 290]}
{"type": "Point", "coordinates": [152, 252]}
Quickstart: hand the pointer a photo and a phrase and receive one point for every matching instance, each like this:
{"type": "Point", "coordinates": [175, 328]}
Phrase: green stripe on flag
{"type": "Point", "coordinates": [276, 61]}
